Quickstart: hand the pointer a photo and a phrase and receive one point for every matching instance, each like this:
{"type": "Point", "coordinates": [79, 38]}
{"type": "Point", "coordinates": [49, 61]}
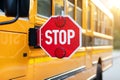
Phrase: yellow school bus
{"type": "Point", "coordinates": [22, 59]}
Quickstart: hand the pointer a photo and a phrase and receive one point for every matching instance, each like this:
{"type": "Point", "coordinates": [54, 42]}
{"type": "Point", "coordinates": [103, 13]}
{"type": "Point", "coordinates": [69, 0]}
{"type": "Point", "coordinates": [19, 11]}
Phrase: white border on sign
{"type": "Point", "coordinates": [80, 36]}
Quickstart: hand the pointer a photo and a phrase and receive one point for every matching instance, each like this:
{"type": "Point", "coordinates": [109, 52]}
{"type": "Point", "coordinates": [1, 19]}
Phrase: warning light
{"type": "Point", "coordinates": [60, 52]}
{"type": "Point", "coordinates": [60, 21]}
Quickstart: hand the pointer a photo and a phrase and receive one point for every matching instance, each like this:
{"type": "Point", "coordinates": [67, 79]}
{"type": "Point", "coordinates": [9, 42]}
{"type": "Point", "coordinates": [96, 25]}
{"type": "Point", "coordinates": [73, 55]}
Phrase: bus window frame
{"type": "Point", "coordinates": [43, 16]}
{"type": "Point", "coordinates": [89, 8]}
{"type": "Point", "coordinates": [63, 8]}
{"type": "Point", "coordinates": [73, 6]}
{"type": "Point", "coordinates": [80, 15]}
{"type": "Point", "coordinates": [79, 9]}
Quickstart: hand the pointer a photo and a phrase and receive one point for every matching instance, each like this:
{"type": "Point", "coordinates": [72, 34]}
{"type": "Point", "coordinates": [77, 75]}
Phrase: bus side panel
{"type": "Point", "coordinates": [45, 69]}
{"type": "Point", "coordinates": [13, 55]}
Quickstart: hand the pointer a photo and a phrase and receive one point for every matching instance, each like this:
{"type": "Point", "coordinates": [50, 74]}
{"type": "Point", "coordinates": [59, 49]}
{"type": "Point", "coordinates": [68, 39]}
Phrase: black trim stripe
{"type": "Point", "coordinates": [67, 74]}
{"type": "Point", "coordinates": [17, 77]}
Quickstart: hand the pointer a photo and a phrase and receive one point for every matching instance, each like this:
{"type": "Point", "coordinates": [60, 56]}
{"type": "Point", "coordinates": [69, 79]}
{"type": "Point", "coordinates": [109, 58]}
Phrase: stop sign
{"type": "Point", "coordinates": [60, 36]}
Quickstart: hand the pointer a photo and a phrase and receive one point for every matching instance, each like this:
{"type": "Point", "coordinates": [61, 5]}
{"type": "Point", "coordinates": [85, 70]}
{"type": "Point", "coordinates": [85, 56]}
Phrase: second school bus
{"type": "Point", "coordinates": [21, 59]}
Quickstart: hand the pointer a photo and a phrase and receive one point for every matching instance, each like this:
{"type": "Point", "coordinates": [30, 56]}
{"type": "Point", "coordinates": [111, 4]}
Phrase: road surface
{"type": "Point", "coordinates": [113, 73]}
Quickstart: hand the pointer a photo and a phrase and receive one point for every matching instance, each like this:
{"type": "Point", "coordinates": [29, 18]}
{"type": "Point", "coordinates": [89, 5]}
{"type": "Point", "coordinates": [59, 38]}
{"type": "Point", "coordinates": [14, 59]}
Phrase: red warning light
{"type": "Point", "coordinates": [60, 21]}
{"type": "Point", "coordinates": [60, 52]}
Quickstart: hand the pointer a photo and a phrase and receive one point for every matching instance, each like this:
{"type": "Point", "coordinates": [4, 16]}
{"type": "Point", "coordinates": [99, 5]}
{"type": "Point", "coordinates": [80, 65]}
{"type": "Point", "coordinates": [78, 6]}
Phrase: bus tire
{"type": "Point", "coordinates": [99, 72]}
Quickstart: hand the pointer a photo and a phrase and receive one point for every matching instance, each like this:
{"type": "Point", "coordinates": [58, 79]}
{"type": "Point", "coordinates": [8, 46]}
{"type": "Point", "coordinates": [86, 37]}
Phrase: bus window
{"type": "Point", "coordinates": [59, 9]}
{"type": "Point", "coordinates": [95, 19]}
{"type": "Point", "coordinates": [83, 40]}
{"type": "Point", "coordinates": [103, 24]}
{"type": "Point", "coordinates": [1, 5]}
{"type": "Point", "coordinates": [107, 42]}
{"type": "Point", "coordinates": [2, 12]}
{"type": "Point", "coordinates": [79, 12]}
{"type": "Point", "coordinates": [89, 41]}
{"type": "Point", "coordinates": [88, 17]}
{"type": "Point", "coordinates": [71, 8]}
{"type": "Point", "coordinates": [106, 25]}
{"type": "Point", "coordinates": [98, 41]}
{"type": "Point", "coordinates": [109, 27]}
{"type": "Point", "coordinates": [44, 8]}
{"type": "Point", "coordinates": [99, 21]}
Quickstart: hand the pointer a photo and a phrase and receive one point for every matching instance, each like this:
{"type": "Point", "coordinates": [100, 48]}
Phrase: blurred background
{"type": "Point", "coordinates": [114, 6]}
{"type": "Point", "coordinates": [113, 72]}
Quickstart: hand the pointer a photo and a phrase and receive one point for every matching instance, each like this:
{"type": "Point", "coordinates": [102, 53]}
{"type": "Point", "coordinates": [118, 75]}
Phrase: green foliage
{"type": "Point", "coordinates": [116, 41]}
{"type": "Point", "coordinates": [116, 38]}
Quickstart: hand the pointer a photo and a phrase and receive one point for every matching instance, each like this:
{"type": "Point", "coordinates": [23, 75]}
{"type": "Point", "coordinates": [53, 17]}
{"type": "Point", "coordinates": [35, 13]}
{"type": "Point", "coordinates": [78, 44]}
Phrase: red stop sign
{"type": "Point", "coordinates": [60, 36]}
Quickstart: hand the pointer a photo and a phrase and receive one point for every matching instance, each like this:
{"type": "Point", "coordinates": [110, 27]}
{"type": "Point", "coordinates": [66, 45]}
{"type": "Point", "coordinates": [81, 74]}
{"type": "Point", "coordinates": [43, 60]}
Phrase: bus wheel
{"type": "Point", "coordinates": [99, 70]}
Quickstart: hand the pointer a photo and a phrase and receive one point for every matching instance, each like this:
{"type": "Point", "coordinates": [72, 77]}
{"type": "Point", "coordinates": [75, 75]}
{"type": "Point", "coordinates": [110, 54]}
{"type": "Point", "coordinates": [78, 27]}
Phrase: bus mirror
{"type": "Point", "coordinates": [10, 8]}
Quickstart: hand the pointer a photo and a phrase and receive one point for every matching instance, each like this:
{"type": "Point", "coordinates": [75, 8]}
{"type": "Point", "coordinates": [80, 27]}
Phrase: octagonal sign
{"type": "Point", "coordinates": [60, 36]}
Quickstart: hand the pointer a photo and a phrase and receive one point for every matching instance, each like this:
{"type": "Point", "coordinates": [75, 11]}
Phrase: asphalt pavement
{"type": "Point", "coordinates": [113, 73]}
